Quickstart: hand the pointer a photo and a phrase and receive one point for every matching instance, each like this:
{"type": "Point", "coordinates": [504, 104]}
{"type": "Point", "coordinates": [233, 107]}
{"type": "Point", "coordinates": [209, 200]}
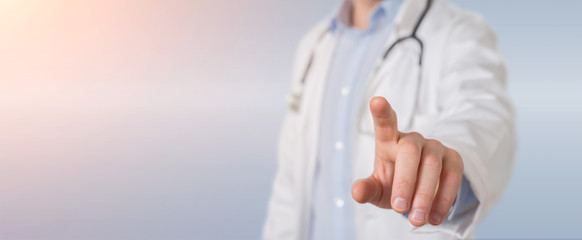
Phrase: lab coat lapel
{"type": "Point", "coordinates": [396, 78]}
{"type": "Point", "coordinates": [309, 121]}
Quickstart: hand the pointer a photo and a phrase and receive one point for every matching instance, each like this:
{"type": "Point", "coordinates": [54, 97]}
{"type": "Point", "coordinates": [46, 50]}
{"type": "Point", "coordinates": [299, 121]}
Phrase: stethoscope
{"type": "Point", "coordinates": [296, 96]}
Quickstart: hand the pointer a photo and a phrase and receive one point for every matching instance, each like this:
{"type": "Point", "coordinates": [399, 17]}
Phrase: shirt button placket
{"type": "Point", "coordinates": [339, 145]}
{"type": "Point", "coordinates": [339, 203]}
{"type": "Point", "coordinates": [345, 91]}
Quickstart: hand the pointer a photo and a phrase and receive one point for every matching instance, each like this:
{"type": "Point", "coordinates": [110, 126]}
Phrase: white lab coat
{"type": "Point", "coordinates": [461, 100]}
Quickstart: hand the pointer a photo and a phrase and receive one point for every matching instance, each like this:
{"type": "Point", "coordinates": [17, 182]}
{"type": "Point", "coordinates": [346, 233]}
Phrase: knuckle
{"type": "Point", "coordinates": [409, 148]}
{"type": "Point", "coordinates": [403, 185]}
{"type": "Point", "coordinates": [423, 198]}
{"type": "Point", "coordinates": [458, 168]}
{"type": "Point", "coordinates": [433, 142]}
{"type": "Point", "coordinates": [452, 177]}
{"type": "Point", "coordinates": [432, 161]}
{"type": "Point", "coordinates": [415, 135]}
{"type": "Point", "coordinates": [445, 202]}
{"type": "Point", "coordinates": [385, 121]}
{"type": "Point", "coordinates": [454, 154]}
{"type": "Point", "coordinates": [457, 161]}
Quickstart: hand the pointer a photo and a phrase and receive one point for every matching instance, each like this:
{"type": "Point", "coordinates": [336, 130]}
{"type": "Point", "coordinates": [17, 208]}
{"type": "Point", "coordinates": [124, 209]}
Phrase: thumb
{"type": "Point", "coordinates": [385, 121]}
{"type": "Point", "coordinates": [366, 190]}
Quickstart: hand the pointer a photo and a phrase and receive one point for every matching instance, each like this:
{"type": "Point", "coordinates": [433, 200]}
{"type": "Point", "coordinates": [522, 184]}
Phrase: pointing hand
{"type": "Point", "coordinates": [410, 172]}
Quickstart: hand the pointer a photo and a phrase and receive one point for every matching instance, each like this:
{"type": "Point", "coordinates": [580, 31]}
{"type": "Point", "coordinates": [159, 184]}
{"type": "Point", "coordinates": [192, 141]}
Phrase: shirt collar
{"type": "Point", "coordinates": [384, 10]}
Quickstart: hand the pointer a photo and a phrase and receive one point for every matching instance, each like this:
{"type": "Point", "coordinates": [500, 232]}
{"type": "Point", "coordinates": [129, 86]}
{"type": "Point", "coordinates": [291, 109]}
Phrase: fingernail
{"type": "Point", "coordinates": [400, 204]}
{"type": "Point", "coordinates": [435, 218]}
{"type": "Point", "coordinates": [418, 215]}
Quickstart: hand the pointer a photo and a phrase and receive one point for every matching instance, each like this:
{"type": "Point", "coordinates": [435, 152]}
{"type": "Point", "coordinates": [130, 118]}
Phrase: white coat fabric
{"type": "Point", "coordinates": [460, 100]}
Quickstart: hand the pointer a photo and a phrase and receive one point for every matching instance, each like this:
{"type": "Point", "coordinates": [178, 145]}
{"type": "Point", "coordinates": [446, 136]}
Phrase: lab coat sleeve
{"type": "Point", "coordinates": [476, 116]}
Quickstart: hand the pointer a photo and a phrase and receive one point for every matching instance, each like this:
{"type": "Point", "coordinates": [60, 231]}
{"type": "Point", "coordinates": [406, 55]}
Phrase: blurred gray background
{"type": "Point", "coordinates": [158, 120]}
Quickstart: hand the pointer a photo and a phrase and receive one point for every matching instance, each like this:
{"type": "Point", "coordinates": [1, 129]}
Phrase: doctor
{"type": "Point", "coordinates": [400, 105]}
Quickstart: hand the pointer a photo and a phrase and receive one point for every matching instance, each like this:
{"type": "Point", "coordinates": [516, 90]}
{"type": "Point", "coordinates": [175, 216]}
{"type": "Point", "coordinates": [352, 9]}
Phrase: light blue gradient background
{"type": "Point", "coordinates": [179, 142]}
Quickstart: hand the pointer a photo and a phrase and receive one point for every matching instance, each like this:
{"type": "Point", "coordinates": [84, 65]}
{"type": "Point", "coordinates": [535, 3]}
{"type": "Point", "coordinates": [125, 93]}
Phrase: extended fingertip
{"type": "Point", "coordinates": [378, 103]}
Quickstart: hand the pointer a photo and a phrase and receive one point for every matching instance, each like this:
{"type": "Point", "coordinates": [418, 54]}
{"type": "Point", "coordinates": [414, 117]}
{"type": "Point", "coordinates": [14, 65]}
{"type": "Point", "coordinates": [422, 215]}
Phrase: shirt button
{"type": "Point", "coordinates": [339, 145]}
{"type": "Point", "coordinates": [345, 91]}
{"type": "Point", "coordinates": [339, 202]}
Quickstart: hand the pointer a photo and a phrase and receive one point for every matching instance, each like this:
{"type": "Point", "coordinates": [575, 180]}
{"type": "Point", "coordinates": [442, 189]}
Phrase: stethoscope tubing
{"type": "Point", "coordinates": [413, 35]}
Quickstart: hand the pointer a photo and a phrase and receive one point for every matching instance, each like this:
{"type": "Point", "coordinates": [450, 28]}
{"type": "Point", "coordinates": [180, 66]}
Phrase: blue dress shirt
{"type": "Point", "coordinates": [354, 57]}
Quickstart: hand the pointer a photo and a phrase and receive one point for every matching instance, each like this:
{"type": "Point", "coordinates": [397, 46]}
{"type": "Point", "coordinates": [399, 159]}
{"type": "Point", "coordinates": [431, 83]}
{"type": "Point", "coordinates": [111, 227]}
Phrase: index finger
{"type": "Point", "coordinates": [385, 121]}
